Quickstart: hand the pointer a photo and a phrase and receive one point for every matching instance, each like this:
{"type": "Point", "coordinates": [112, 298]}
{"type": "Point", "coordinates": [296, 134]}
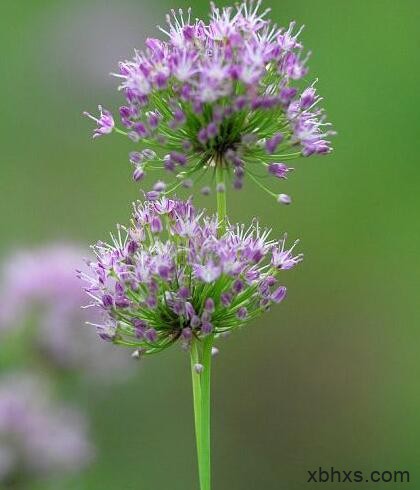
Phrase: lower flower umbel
{"type": "Point", "coordinates": [173, 277]}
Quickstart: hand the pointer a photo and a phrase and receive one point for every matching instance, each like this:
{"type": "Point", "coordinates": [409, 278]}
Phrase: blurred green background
{"type": "Point", "coordinates": [329, 378]}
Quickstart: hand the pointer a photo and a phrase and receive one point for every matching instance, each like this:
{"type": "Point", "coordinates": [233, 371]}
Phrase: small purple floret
{"type": "Point", "coordinates": [105, 122]}
{"type": "Point", "coordinates": [279, 170]}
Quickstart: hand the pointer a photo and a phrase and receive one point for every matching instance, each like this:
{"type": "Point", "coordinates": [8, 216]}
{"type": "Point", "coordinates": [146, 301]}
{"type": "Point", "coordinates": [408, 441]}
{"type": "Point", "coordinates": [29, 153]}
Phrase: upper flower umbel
{"type": "Point", "coordinates": [220, 94]}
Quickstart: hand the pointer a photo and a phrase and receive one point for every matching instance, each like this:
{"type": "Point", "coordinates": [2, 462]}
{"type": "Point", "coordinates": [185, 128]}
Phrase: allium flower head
{"type": "Point", "coordinates": [220, 93]}
{"type": "Point", "coordinates": [172, 277]}
{"type": "Point", "coordinates": [37, 436]}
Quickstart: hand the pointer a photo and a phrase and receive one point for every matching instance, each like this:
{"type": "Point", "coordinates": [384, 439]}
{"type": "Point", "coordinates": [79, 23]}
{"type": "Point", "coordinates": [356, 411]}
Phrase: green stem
{"type": "Point", "coordinates": [201, 354]}
{"type": "Point", "coordinates": [205, 406]}
{"type": "Point", "coordinates": [221, 198]}
{"type": "Point", "coordinates": [195, 359]}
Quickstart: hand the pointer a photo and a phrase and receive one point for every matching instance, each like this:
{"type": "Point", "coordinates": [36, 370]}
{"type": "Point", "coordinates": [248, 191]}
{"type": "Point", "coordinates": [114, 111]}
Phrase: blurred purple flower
{"type": "Point", "coordinates": [40, 287]}
{"type": "Point", "coordinates": [37, 435]}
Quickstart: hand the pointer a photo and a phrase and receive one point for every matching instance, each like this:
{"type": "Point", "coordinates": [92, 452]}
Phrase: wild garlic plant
{"type": "Point", "coordinates": [220, 97]}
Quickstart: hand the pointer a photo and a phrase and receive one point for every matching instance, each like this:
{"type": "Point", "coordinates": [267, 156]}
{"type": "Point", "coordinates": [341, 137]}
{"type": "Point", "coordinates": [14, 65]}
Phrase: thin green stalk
{"type": "Point", "coordinates": [221, 198]}
{"type": "Point", "coordinates": [201, 393]}
{"type": "Point", "coordinates": [266, 189]}
{"type": "Point", "coordinates": [195, 359]}
{"type": "Point", "coordinates": [201, 354]}
{"type": "Point", "coordinates": [205, 407]}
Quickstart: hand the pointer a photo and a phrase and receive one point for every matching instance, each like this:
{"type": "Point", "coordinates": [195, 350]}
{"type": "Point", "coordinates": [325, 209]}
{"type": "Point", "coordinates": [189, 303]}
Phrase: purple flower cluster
{"type": "Point", "coordinates": [37, 436]}
{"type": "Point", "coordinates": [221, 93]}
{"type": "Point", "coordinates": [39, 289]}
{"type": "Point", "coordinates": [171, 276]}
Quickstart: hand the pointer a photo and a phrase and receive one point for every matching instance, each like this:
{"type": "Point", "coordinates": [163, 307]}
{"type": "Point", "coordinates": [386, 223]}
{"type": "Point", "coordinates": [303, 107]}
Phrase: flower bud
{"type": "Point", "coordinates": [279, 294]}
{"type": "Point", "coordinates": [209, 305]}
{"type": "Point", "coordinates": [272, 143]}
{"type": "Point", "coordinates": [107, 301]}
{"type": "Point", "coordinates": [151, 335]}
{"type": "Point", "coordinates": [156, 225]}
{"type": "Point", "coordinates": [214, 351]}
{"type": "Point", "coordinates": [206, 328]}
{"type": "Point", "coordinates": [284, 199]}
{"type": "Point", "coordinates": [138, 173]}
{"type": "Point", "coordinates": [198, 368]}
{"type": "Point", "coordinates": [242, 313]}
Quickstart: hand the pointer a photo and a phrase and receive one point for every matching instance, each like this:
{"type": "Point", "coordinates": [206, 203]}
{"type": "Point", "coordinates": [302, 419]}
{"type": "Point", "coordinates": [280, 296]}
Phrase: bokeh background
{"type": "Point", "coordinates": [329, 378]}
